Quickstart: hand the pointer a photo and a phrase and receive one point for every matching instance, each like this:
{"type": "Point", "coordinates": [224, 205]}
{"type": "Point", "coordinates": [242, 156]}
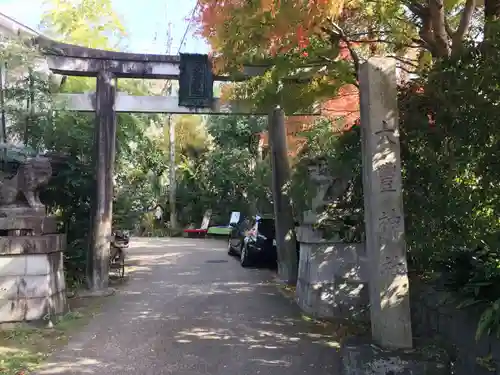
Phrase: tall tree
{"type": "Point", "coordinates": [240, 132]}
{"type": "Point", "coordinates": [88, 23]}
{"type": "Point", "coordinates": [190, 136]}
{"type": "Point", "coordinates": [318, 33]}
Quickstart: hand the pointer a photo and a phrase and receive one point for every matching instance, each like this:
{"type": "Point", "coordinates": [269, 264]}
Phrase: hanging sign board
{"type": "Point", "coordinates": [195, 81]}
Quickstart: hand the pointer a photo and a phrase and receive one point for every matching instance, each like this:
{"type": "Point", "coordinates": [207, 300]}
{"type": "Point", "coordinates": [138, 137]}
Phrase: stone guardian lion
{"type": "Point", "coordinates": [21, 190]}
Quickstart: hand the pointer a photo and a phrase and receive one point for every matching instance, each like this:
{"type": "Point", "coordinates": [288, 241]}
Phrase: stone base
{"type": "Point", "coordinates": [362, 357]}
{"type": "Point", "coordinates": [85, 293]}
{"type": "Point", "coordinates": [32, 244]}
{"type": "Point", "coordinates": [16, 210]}
{"type": "Point", "coordinates": [333, 278]}
{"type": "Point", "coordinates": [34, 223]}
{"type": "Point", "coordinates": [32, 282]}
{"type": "Point", "coordinates": [32, 309]}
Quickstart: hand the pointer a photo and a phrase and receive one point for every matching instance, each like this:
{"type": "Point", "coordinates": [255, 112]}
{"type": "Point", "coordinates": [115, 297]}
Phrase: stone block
{"type": "Point", "coordinates": [38, 308]}
{"type": "Point", "coordinates": [302, 296]}
{"type": "Point", "coordinates": [361, 357]}
{"type": "Point", "coordinates": [352, 300]}
{"type": "Point", "coordinates": [58, 281]}
{"type": "Point", "coordinates": [37, 224]}
{"type": "Point", "coordinates": [9, 287]}
{"type": "Point", "coordinates": [56, 261]}
{"type": "Point", "coordinates": [38, 264]}
{"type": "Point", "coordinates": [332, 279]}
{"type": "Point", "coordinates": [32, 309]}
{"type": "Point", "coordinates": [324, 261]}
{"type": "Point", "coordinates": [44, 264]}
{"type": "Point", "coordinates": [32, 244]}
{"type": "Point", "coordinates": [12, 265]}
{"type": "Point", "coordinates": [12, 310]}
{"type": "Point", "coordinates": [31, 286]}
{"type": "Point", "coordinates": [36, 286]}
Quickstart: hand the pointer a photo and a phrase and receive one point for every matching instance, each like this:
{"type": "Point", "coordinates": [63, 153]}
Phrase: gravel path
{"type": "Point", "coordinates": [190, 309]}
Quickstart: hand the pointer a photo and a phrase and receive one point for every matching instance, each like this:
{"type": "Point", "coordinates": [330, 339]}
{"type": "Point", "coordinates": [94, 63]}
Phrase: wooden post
{"type": "Point", "coordinates": [283, 214]}
{"type": "Point", "coordinates": [172, 174]}
{"type": "Point", "coordinates": [102, 204]}
{"type": "Point", "coordinates": [3, 83]}
{"type": "Point", "coordinates": [384, 218]}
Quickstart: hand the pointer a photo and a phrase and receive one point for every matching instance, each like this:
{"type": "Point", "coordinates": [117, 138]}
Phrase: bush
{"type": "Point", "coordinates": [450, 151]}
{"type": "Point", "coordinates": [341, 152]}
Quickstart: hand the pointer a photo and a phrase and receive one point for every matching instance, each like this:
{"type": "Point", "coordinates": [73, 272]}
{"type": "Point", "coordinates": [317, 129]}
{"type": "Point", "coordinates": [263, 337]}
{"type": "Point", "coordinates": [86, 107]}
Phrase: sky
{"type": "Point", "coordinates": [146, 22]}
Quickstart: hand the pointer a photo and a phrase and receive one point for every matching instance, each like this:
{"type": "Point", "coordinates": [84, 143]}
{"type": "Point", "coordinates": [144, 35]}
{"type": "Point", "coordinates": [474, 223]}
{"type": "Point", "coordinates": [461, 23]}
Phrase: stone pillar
{"type": "Point", "coordinates": [283, 214]}
{"type": "Point", "coordinates": [102, 209]}
{"type": "Point", "coordinates": [384, 218]}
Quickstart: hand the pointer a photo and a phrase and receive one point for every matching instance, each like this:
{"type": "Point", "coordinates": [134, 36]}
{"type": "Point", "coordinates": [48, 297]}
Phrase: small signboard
{"type": "Point", "coordinates": [235, 218]}
{"type": "Point", "coordinates": [206, 219]}
{"type": "Point", "coordinates": [195, 81]}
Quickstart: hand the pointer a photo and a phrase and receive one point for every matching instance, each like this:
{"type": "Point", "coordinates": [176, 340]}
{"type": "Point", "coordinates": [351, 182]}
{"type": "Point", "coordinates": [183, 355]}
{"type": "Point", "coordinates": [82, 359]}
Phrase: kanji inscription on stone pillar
{"type": "Point", "coordinates": [384, 216]}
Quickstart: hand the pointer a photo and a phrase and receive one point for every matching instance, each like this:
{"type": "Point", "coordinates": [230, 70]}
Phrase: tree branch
{"type": "Point", "coordinates": [437, 16]}
{"type": "Point", "coordinates": [425, 32]}
{"type": "Point", "coordinates": [463, 26]}
{"type": "Point", "coordinates": [338, 34]}
{"type": "Point", "coordinates": [404, 60]}
{"type": "Point", "coordinates": [418, 45]}
{"type": "Point", "coordinates": [416, 8]}
{"type": "Point", "coordinates": [381, 32]}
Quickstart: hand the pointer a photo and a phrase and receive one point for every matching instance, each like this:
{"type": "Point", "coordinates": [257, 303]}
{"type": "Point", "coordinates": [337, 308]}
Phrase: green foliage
{"type": "Point", "coordinates": [68, 137]}
{"type": "Point", "coordinates": [67, 196]}
{"type": "Point", "coordinates": [227, 176]}
{"type": "Point", "coordinates": [236, 132]}
{"type": "Point", "coordinates": [450, 176]}
{"type": "Point", "coordinates": [216, 165]}
{"type": "Point", "coordinates": [191, 138]}
{"type": "Point", "coordinates": [341, 155]}
{"type": "Point", "coordinates": [450, 147]}
{"type": "Point", "coordinates": [89, 23]}
{"type": "Point", "coordinates": [225, 180]}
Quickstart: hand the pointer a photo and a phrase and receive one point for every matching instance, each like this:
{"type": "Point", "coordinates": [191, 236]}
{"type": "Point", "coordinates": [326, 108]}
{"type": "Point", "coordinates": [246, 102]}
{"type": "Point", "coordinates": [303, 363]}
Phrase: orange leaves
{"type": "Point", "coordinates": [302, 40]}
{"type": "Point", "coordinates": [218, 64]}
{"type": "Point", "coordinates": [269, 6]}
{"type": "Point", "coordinates": [226, 92]}
{"type": "Point", "coordinates": [242, 30]}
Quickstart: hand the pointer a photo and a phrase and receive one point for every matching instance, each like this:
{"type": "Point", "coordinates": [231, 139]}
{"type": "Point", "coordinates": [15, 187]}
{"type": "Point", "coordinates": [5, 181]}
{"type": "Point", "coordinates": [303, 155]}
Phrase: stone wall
{"type": "Point", "coordinates": [32, 283]}
{"type": "Point", "coordinates": [435, 316]}
{"type": "Point", "coordinates": [333, 276]}
{"type": "Point", "coordinates": [332, 283]}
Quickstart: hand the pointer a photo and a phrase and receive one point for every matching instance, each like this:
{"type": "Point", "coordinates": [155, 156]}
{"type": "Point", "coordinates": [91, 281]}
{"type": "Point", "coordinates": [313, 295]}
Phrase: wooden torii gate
{"type": "Point", "coordinates": [195, 96]}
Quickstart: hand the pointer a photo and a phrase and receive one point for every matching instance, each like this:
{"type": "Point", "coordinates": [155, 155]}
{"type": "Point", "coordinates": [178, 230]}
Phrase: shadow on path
{"type": "Point", "coordinates": [188, 308]}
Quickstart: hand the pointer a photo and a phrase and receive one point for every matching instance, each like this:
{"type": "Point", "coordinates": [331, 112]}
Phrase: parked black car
{"type": "Point", "coordinates": [254, 241]}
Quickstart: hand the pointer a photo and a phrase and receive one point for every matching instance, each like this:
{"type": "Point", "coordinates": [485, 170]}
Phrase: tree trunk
{"type": "Point", "coordinates": [491, 16]}
{"type": "Point", "coordinates": [463, 26]}
{"type": "Point", "coordinates": [437, 14]}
